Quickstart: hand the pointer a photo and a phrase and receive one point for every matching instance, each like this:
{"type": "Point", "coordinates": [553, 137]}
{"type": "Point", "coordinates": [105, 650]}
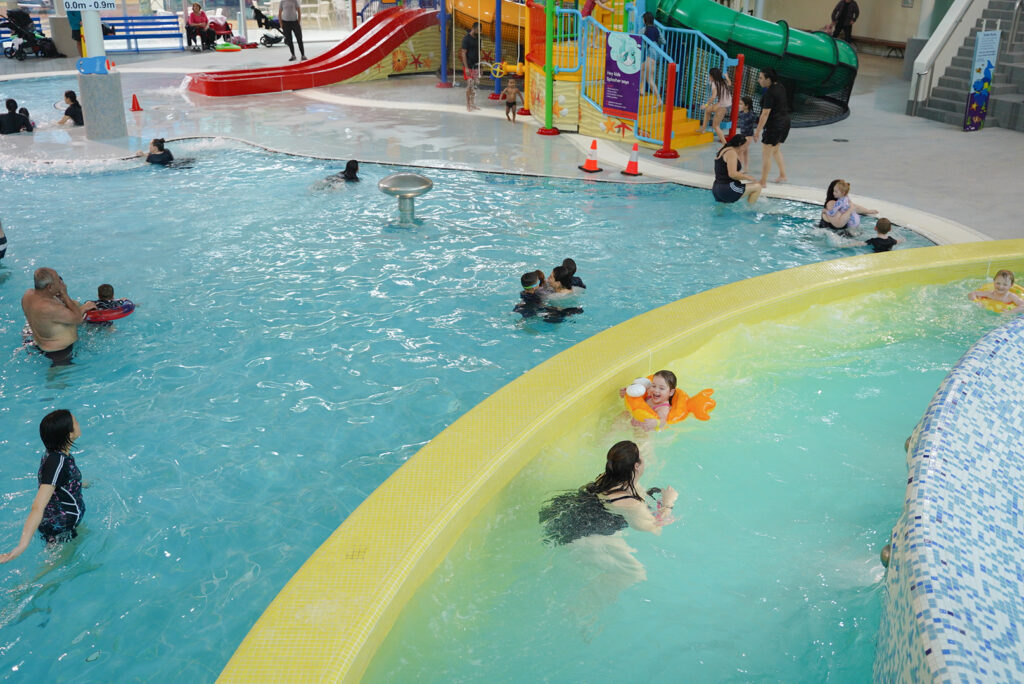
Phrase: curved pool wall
{"type": "Point", "coordinates": [953, 608]}
{"type": "Point", "coordinates": [329, 620]}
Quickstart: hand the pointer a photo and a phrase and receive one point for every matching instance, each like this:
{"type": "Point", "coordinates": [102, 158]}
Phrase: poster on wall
{"type": "Point", "coordinates": [623, 56]}
{"type": "Point", "coordinates": [986, 48]}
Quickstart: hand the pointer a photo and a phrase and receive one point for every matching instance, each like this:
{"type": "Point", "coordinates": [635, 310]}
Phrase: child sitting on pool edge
{"type": "Point", "coordinates": [1002, 282]}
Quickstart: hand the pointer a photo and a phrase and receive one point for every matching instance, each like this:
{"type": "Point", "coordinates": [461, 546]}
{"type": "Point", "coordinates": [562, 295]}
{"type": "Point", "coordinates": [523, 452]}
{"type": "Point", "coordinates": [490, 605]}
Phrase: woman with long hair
{"type": "Point", "coordinates": [728, 186]}
{"type": "Point", "coordinates": [58, 507]}
{"type": "Point", "coordinates": [612, 502]}
{"type": "Point", "coordinates": [719, 102]}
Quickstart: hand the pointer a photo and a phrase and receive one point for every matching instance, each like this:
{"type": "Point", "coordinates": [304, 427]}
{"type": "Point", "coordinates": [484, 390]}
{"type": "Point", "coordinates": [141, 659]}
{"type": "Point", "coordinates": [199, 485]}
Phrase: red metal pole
{"type": "Point", "coordinates": [737, 92]}
{"type": "Point", "coordinates": [354, 16]}
{"type": "Point", "coordinates": [666, 151]}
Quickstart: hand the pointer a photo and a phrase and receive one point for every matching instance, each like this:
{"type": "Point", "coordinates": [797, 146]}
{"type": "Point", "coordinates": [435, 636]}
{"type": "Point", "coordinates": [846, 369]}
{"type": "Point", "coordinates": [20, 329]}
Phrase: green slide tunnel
{"type": "Point", "coordinates": [812, 63]}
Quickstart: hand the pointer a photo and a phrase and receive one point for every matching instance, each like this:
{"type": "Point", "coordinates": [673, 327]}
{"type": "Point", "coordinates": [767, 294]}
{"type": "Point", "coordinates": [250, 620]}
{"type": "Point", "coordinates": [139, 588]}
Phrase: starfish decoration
{"type": "Point", "coordinates": [485, 56]}
{"type": "Point", "coordinates": [624, 128]}
{"type": "Point", "coordinates": [609, 125]}
{"type": "Point", "coordinates": [417, 62]}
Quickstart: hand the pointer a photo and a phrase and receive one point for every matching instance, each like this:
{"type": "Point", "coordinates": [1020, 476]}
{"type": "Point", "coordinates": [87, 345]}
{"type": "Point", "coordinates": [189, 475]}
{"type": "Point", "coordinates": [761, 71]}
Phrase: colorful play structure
{"type": "Point", "coordinates": [564, 58]}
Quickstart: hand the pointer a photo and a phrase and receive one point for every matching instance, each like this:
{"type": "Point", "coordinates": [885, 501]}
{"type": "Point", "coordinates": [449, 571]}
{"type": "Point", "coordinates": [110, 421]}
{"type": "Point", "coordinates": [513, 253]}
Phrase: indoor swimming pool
{"type": "Point", "coordinates": [291, 348]}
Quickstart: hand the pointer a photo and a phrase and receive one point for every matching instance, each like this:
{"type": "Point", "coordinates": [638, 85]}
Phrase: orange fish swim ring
{"type": "Point", "coordinates": [699, 405]}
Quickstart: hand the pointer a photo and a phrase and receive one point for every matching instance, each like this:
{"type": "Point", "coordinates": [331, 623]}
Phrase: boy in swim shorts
{"type": "Point", "coordinates": [509, 95]}
{"type": "Point", "coordinates": [105, 301]}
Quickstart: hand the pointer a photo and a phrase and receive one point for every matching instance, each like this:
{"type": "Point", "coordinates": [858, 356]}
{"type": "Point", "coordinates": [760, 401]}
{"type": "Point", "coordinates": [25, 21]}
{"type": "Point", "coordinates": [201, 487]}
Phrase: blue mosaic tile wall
{"type": "Point", "coordinates": [954, 590]}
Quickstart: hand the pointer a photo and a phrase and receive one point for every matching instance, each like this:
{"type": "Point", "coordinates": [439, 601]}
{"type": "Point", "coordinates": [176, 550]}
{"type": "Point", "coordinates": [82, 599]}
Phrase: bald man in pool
{"type": "Point", "coordinates": [53, 316]}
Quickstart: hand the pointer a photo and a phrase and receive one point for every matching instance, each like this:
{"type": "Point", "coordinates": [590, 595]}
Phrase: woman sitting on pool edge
{"type": "Point", "coordinates": [729, 172]}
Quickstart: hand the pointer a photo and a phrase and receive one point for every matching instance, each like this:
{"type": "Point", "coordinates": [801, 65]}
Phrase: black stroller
{"type": "Point", "coordinates": [25, 39]}
{"type": "Point", "coordinates": [269, 24]}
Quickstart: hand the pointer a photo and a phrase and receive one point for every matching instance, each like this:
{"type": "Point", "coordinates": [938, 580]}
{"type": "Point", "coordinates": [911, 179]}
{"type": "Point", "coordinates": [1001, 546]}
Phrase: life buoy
{"type": "Point", "coordinates": [105, 315]}
{"type": "Point", "coordinates": [994, 304]}
{"type": "Point", "coordinates": [699, 405]}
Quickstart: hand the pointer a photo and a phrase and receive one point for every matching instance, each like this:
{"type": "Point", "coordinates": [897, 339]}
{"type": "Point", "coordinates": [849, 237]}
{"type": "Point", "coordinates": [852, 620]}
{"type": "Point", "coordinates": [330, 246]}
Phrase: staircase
{"type": "Point", "coordinates": [1006, 102]}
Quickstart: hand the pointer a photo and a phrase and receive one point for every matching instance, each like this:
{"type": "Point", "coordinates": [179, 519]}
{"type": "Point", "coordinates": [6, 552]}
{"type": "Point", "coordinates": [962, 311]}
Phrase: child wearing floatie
{"type": "Point", "coordinates": [1002, 296]}
{"type": "Point", "coordinates": [654, 402]}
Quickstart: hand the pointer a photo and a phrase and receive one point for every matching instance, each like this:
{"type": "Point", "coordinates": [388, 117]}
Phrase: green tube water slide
{"type": "Point", "coordinates": [810, 64]}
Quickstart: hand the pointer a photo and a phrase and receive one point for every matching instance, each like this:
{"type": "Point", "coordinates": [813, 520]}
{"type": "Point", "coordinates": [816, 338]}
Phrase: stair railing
{"type": "Point", "coordinates": [938, 52]}
{"type": "Point", "coordinates": [1014, 24]}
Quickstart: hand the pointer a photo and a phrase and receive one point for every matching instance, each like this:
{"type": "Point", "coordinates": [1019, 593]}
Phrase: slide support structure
{"type": "Point", "coordinates": [549, 70]}
{"type": "Point", "coordinates": [443, 19]}
{"type": "Point", "coordinates": [666, 151]}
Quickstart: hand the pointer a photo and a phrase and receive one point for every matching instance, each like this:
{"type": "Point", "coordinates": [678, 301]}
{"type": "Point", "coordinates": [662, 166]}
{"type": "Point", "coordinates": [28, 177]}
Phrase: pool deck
{"type": "Point", "coordinates": [913, 170]}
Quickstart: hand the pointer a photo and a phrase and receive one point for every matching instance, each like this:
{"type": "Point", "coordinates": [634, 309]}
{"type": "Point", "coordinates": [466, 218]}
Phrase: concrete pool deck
{"type": "Point", "coordinates": [893, 161]}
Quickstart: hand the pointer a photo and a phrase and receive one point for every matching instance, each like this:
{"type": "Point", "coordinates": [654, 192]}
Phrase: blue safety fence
{"type": "Point", "coordinates": [654, 61]}
{"type": "Point", "coordinates": [695, 54]}
{"type": "Point", "coordinates": [568, 53]}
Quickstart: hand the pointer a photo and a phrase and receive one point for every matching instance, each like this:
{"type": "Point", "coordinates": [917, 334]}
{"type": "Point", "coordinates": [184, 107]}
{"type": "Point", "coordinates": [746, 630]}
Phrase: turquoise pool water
{"type": "Point", "coordinates": [770, 573]}
{"type": "Point", "coordinates": [291, 348]}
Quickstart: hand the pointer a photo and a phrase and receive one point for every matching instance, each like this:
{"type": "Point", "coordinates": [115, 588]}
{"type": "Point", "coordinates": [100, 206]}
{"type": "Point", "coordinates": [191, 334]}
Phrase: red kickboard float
{"type": "Point", "coordinates": [367, 45]}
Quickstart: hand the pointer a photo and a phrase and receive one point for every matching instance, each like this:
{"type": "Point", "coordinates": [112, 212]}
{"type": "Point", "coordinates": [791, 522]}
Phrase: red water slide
{"type": "Point", "coordinates": [367, 45]}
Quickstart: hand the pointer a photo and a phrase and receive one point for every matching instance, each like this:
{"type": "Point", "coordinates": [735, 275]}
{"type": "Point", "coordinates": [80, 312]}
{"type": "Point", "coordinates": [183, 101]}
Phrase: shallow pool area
{"type": "Point", "coordinates": [291, 348]}
{"type": "Point", "coordinates": [787, 495]}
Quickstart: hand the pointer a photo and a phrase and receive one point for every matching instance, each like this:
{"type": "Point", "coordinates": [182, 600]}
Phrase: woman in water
{"type": "Point", "coordinates": [728, 186]}
{"type": "Point", "coordinates": [58, 507]}
{"type": "Point", "coordinates": [840, 214]}
{"type": "Point", "coordinates": [610, 503]}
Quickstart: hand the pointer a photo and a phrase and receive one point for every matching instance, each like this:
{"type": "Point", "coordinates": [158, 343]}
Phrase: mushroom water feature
{"type": "Point", "coordinates": [406, 187]}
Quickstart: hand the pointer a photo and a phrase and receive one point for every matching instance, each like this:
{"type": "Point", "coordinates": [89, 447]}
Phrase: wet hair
{"type": "Point", "coordinates": [351, 169]}
{"type": "Point", "coordinates": [883, 226]}
{"type": "Point", "coordinates": [42, 278]}
{"type": "Point", "coordinates": [843, 187]}
{"type": "Point", "coordinates": [529, 279]}
{"type": "Point", "coordinates": [12, 105]}
{"type": "Point", "coordinates": [747, 100]}
{"type": "Point", "coordinates": [771, 74]}
{"type": "Point", "coordinates": [70, 94]}
{"type": "Point", "coordinates": [158, 143]}
{"type": "Point", "coordinates": [23, 112]}
{"type": "Point", "coordinates": [105, 291]}
{"type": "Point", "coordinates": [55, 430]}
{"type": "Point", "coordinates": [648, 19]}
{"type": "Point", "coordinates": [737, 140]}
{"type": "Point", "coordinates": [562, 275]}
{"type": "Point", "coordinates": [831, 189]}
{"type": "Point", "coordinates": [1007, 273]}
{"type": "Point", "coordinates": [571, 265]}
{"type": "Point", "coordinates": [541, 277]}
{"type": "Point", "coordinates": [716, 77]}
{"type": "Point", "coordinates": [618, 470]}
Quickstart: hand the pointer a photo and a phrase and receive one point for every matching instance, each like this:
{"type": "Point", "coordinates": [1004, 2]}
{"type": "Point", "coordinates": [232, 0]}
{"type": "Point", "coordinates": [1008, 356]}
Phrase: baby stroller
{"type": "Point", "coordinates": [25, 40]}
{"type": "Point", "coordinates": [268, 24]}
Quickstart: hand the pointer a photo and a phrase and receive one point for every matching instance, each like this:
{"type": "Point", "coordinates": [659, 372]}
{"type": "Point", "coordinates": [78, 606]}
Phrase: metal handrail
{"type": "Point", "coordinates": [930, 68]}
{"type": "Point", "coordinates": [1013, 25]}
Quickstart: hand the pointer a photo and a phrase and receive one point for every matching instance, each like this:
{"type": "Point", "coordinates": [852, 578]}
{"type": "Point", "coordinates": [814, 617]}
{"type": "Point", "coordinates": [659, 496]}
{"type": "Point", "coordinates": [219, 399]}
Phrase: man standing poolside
{"type": "Point", "coordinates": [53, 316]}
{"type": "Point", "coordinates": [470, 54]}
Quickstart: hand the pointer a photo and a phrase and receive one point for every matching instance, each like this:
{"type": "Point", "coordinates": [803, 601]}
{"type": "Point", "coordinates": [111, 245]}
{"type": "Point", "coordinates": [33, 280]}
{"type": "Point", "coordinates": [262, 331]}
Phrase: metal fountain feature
{"type": "Point", "coordinates": [406, 187]}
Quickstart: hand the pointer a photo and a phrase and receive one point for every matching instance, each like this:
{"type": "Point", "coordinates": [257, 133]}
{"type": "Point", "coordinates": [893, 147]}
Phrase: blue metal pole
{"type": "Point", "coordinates": [497, 48]}
{"type": "Point", "coordinates": [444, 83]}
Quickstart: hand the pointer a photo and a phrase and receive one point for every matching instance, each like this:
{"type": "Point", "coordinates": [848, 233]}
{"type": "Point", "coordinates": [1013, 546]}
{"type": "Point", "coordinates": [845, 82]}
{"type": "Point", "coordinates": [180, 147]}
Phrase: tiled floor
{"type": "Point", "coordinates": [886, 155]}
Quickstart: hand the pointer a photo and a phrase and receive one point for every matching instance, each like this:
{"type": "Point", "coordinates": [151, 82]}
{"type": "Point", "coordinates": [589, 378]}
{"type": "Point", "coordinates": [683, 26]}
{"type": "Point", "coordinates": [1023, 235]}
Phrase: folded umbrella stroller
{"type": "Point", "coordinates": [268, 24]}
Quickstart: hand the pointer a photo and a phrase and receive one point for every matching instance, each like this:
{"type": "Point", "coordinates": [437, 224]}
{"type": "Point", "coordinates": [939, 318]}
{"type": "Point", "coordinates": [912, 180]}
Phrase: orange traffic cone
{"type": "Point", "coordinates": [590, 166]}
{"type": "Point", "coordinates": [631, 168]}
{"type": "Point", "coordinates": [135, 104]}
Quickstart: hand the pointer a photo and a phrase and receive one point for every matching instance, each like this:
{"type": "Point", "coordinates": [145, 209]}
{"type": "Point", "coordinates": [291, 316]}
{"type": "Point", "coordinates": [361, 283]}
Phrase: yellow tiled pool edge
{"type": "Point", "coordinates": [329, 620]}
